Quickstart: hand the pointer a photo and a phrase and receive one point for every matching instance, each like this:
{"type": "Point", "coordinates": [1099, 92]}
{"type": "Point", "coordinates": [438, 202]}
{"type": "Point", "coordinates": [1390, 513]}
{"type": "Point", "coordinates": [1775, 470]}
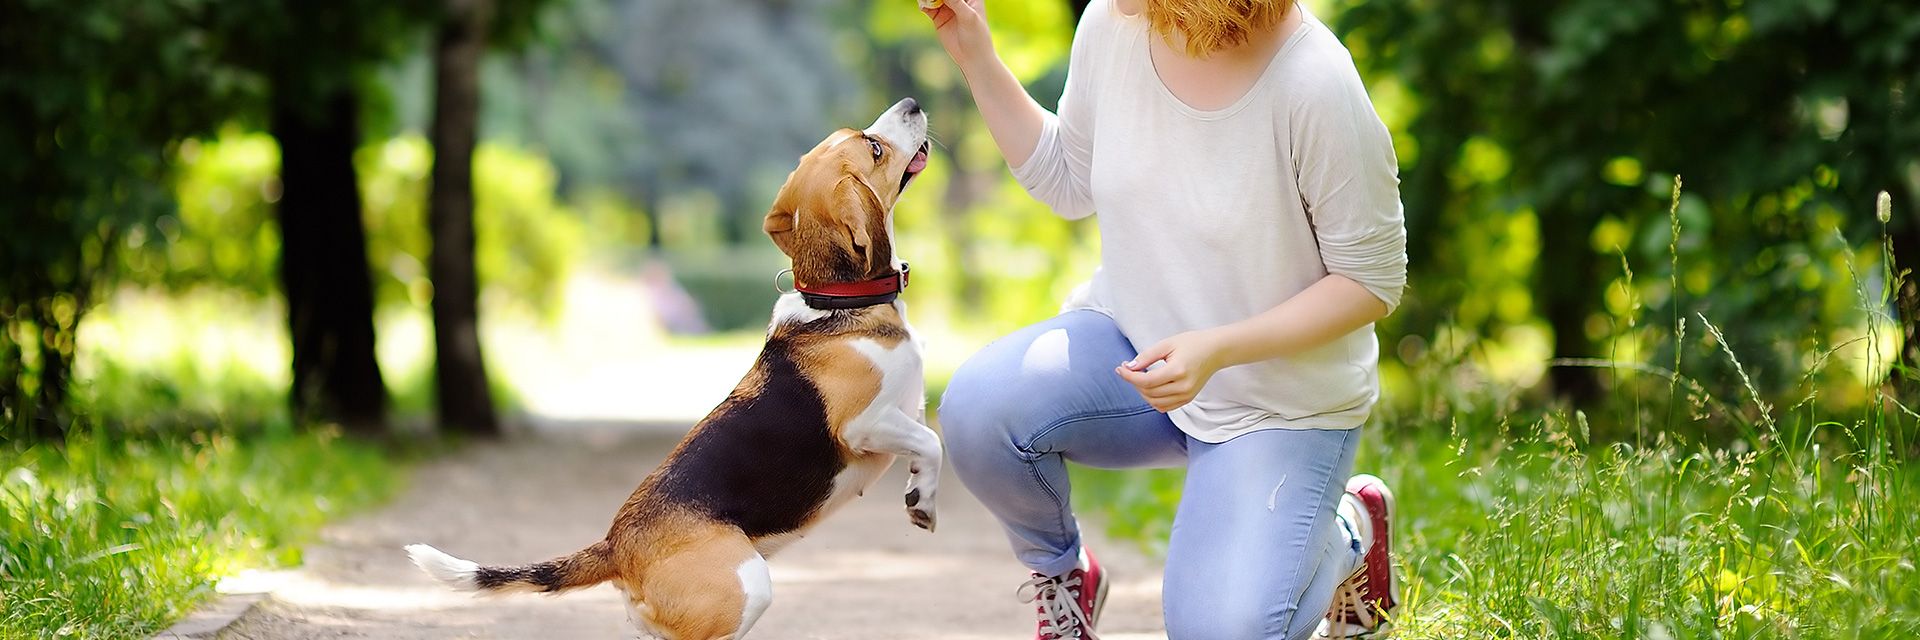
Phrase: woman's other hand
{"type": "Point", "coordinates": [962, 28]}
{"type": "Point", "coordinates": [1187, 360]}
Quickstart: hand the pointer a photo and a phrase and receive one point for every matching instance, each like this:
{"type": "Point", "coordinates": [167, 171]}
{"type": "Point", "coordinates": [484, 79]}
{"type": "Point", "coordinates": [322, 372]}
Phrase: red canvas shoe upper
{"type": "Point", "coordinates": [1361, 602]}
{"type": "Point", "coordinates": [1068, 605]}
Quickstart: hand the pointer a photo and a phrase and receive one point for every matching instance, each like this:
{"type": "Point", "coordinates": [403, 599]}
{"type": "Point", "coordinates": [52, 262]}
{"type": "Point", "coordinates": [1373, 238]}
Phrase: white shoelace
{"type": "Point", "coordinates": [1350, 603]}
{"type": "Point", "coordinates": [1059, 605]}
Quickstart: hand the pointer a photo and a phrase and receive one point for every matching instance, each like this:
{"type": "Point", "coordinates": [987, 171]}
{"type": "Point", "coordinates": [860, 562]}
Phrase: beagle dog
{"type": "Point", "coordinates": [835, 396]}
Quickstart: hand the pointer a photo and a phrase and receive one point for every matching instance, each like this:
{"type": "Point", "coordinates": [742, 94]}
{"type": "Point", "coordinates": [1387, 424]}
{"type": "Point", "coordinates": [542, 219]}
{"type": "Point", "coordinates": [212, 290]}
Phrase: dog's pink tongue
{"type": "Point", "coordinates": [918, 163]}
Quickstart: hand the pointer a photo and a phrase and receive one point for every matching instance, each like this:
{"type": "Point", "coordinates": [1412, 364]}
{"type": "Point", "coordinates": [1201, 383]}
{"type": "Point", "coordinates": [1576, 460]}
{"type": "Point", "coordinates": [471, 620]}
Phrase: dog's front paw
{"type": "Point", "coordinates": [920, 507]}
{"type": "Point", "coordinates": [921, 517]}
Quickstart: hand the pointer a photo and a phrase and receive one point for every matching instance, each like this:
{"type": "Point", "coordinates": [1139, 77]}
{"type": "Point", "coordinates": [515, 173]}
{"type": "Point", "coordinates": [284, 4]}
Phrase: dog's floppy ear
{"type": "Point", "coordinates": [826, 230]}
{"type": "Point", "coordinates": [854, 208]}
{"type": "Point", "coordinates": [780, 224]}
{"type": "Point", "coordinates": [779, 220]}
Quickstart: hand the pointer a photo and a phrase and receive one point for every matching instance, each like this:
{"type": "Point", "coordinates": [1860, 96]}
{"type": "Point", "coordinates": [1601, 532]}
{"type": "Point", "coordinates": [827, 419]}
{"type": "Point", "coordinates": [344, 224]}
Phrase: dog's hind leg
{"type": "Point", "coordinates": [637, 615]}
{"type": "Point", "coordinates": [714, 589]}
{"type": "Point", "coordinates": [757, 584]}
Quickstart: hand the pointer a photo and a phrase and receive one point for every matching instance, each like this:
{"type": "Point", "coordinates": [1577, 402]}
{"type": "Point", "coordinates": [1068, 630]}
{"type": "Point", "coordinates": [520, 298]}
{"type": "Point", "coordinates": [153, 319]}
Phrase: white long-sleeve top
{"type": "Point", "coordinates": [1210, 217]}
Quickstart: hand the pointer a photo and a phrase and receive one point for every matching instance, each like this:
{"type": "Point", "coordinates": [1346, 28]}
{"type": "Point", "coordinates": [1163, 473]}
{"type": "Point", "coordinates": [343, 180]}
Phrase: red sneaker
{"type": "Point", "coordinates": [1361, 604]}
{"type": "Point", "coordinates": [1070, 604]}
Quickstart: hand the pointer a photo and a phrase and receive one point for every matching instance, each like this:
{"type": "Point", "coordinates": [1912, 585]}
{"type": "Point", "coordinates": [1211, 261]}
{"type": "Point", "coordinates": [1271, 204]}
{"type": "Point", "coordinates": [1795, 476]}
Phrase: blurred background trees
{"type": "Point", "coordinates": [1786, 117]}
{"type": "Point", "coordinates": [95, 95]}
{"type": "Point", "coordinates": [368, 169]}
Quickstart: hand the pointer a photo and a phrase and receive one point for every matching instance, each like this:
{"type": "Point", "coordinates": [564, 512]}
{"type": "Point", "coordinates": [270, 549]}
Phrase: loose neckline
{"type": "Point", "coordinates": [1253, 90]}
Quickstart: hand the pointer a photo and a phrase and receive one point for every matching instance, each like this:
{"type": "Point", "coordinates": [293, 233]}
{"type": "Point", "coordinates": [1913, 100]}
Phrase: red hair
{"type": "Point", "coordinates": [1212, 25]}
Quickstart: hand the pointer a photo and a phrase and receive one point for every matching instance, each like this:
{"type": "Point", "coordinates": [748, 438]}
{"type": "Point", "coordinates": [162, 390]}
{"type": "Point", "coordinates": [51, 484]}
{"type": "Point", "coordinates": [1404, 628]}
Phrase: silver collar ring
{"type": "Point", "coordinates": [776, 281]}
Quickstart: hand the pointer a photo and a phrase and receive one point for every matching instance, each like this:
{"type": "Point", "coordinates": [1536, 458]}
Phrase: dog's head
{"type": "Point", "coordinates": [834, 216]}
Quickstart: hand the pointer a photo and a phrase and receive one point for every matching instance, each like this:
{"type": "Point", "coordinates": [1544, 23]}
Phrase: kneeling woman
{"type": "Point", "coordinates": [1251, 234]}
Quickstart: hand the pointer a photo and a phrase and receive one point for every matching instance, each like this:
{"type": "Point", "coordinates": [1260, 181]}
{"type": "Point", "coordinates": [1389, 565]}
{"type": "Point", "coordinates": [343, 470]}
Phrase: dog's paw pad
{"type": "Point", "coordinates": [913, 498]}
{"type": "Point", "coordinates": [922, 518]}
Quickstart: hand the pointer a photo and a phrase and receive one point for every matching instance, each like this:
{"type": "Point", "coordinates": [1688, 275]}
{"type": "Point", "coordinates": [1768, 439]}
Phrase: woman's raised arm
{"type": "Point", "coordinates": [1050, 155]}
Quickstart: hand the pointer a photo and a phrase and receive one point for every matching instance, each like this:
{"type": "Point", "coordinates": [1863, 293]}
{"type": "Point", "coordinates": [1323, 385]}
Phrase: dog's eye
{"type": "Point", "coordinates": [875, 145]}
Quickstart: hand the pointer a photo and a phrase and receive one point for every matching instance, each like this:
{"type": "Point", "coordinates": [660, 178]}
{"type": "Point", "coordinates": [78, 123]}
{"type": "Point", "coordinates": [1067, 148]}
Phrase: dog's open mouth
{"type": "Point", "coordinates": [914, 166]}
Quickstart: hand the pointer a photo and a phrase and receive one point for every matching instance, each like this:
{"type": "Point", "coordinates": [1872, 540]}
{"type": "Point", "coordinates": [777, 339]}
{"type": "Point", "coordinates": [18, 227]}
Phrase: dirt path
{"type": "Point", "coordinates": [865, 573]}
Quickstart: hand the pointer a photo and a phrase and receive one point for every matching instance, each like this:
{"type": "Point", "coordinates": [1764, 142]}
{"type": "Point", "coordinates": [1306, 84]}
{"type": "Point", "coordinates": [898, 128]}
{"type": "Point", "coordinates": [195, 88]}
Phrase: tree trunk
{"type": "Point", "coordinates": [1906, 253]}
{"type": "Point", "coordinates": [13, 407]}
{"type": "Point", "coordinates": [323, 261]}
{"type": "Point", "coordinates": [465, 403]}
{"type": "Point", "coordinates": [1567, 286]}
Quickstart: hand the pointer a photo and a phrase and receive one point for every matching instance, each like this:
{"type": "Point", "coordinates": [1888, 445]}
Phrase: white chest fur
{"type": "Point", "coordinates": [903, 378]}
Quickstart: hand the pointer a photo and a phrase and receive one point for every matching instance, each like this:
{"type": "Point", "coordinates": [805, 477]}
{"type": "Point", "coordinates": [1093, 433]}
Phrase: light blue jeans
{"type": "Point", "coordinates": [1258, 546]}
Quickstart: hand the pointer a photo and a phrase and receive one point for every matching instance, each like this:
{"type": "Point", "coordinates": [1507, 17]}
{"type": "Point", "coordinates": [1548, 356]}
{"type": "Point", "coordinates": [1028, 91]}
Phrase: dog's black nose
{"type": "Point", "coordinates": [912, 105]}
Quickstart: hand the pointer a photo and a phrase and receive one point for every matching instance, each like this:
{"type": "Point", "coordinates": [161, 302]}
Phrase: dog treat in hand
{"type": "Point", "coordinates": [932, 4]}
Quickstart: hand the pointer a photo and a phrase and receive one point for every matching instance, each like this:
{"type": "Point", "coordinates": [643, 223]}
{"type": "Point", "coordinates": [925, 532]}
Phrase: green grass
{"type": "Point", "coordinates": [116, 539]}
{"type": "Point", "coordinates": [1804, 526]}
{"type": "Point", "coordinates": [1547, 536]}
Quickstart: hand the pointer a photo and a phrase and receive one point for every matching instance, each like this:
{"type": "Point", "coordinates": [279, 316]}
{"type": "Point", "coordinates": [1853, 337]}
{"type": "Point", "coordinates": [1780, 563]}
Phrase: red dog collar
{"type": "Point", "coordinates": [853, 295]}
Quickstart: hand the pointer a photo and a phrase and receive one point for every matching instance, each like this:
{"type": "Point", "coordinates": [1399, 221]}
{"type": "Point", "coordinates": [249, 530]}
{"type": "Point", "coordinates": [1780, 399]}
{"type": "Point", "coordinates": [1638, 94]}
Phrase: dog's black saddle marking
{"type": "Point", "coordinates": [764, 462]}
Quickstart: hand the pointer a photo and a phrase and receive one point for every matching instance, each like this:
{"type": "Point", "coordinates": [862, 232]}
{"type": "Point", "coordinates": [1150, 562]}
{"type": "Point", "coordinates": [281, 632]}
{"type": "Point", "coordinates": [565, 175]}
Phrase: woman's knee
{"type": "Point", "coordinates": [977, 414]}
{"type": "Point", "coordinates": [1001, 398]}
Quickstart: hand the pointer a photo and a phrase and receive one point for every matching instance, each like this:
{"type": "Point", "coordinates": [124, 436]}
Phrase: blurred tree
{"type": "Point", "coordinates": [323, 260]}
{"type": "Point", "coordinates": [313, 110]}
{"type": "Point", "coordinates": [92, 93]}
{"type": "Point", "coordinates": [1782, 114]}
{"type": "Point", "coordinates": [463, 400]}
{"type": "Point", "coordinates": [678, 101]}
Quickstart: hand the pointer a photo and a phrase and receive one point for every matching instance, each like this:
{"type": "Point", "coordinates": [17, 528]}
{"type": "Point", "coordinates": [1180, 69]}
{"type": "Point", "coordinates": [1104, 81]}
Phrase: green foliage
{"type": "Point", "coordinates": [988, 255]}
{"type": "Point", "coordinates": [733, 287]}
{"type": "Point", "coordinates": [95, 94]}
{"type": "Point", "coordinates": [1539, 537]}
{"type": "Point", "coordinates": [108, 538]}
{"type": "Point", "coordinates": [1005, 263]}
{"type": "Point", "coordinates": [221, 233]}
{"type": "Point", "coordinates": [342, 40]}
{"type": "Point", "coordinates": [162, 365]}
{"type": "Point", "coordinates": [92, 94]}
{"type": "Point", "coordinates": [1785, 116]}
{"type": "Point", "coordinates": [224, 236]}
{"type": "Point", "coordinates": [527, 241]}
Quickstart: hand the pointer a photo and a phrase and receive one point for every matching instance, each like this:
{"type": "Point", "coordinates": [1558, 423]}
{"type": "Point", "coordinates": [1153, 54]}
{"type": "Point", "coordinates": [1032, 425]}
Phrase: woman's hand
{"type": "Point", "coordinates": [1187, 361]}
{"type": "Point", "coordinates": [962, 28]}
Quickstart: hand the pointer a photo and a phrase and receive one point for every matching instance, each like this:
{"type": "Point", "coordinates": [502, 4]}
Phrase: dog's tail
{"type": "Point", "coordinates": [584, 568]}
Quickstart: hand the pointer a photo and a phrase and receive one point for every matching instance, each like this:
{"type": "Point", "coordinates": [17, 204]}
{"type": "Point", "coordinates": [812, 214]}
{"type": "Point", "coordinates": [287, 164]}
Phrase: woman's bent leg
{"type": "Point", "coordinates": [1029, 401]}
{"type": "Point", "coordinates": [1257, 545]}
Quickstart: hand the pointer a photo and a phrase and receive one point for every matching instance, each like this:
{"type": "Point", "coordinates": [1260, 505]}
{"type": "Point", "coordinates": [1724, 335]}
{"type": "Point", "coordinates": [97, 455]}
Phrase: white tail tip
{"type": "Point", "coordinates": [453, 571]}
